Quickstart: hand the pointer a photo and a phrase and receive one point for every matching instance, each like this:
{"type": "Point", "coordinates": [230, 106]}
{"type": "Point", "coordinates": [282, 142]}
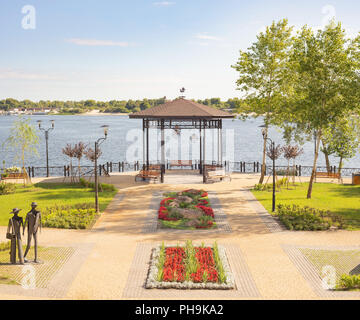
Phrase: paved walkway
{"type": "Point", "coordinates": [108, 253]}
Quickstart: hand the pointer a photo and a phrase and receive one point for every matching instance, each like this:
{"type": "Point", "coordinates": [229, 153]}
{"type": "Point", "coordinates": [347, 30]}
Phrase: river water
{"type": "Point", "coordinates": [242, 141]}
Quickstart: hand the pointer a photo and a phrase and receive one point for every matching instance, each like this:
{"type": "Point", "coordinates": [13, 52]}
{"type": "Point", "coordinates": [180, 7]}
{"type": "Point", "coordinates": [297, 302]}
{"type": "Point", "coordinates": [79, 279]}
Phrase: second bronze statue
{"type": "Point", "coordinates": [33, 222]}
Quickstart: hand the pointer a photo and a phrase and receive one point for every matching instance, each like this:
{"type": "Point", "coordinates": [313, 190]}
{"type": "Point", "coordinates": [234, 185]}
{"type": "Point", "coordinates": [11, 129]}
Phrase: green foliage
{"type": "Point", "coordinates": [80, 216]}
{"type": "Point", "coordinates": [341, 200]}
{"type": "Point", "coordinates": [269, 186]}
{"type": "Point", "coordinates": [113, 106]}
{"type": "Point", "coordinates": [308, 219]}
{"type": "Point", "coordinates": [102, 186]}
{"type": "Point", "coordinates": [191, 263]}
{"type": "Point", "coordinates": [160, 263]}
{"type": "Point", "coordinates": [218, 264]}
{"type": "Point", "coordinates": [4, 246]}
{"type": "Point", "coordinates": [7, 188]}
{"type": "Point", "coordinates": [349, 282]}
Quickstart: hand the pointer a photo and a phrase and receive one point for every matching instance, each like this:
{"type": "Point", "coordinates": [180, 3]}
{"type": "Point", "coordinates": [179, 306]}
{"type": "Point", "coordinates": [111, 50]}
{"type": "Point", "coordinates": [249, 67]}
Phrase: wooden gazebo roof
{"type": "Point", "coordinates": [181, 109]}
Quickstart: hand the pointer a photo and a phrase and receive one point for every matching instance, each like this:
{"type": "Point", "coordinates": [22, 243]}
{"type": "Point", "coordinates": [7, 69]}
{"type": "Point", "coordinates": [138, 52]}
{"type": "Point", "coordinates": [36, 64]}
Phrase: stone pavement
{"type": "Point", "coordinates": [109, 265]}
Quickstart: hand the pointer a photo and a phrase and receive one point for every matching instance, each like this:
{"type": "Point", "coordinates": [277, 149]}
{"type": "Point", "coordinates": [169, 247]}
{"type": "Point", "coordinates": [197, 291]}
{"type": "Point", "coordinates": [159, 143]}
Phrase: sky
{"type": "Point", "coordinates": [135, 49]}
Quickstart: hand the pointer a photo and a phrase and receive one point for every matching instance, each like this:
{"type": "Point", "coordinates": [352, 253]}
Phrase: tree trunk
{"type": "Point", "coordinates": [314, 165]}
{"type": "Point", "coordinates": [264, 158]}
{"type": "Point", "coordinates": [327, 160]}
{"type": "Point", "coordinates": [340, 165]}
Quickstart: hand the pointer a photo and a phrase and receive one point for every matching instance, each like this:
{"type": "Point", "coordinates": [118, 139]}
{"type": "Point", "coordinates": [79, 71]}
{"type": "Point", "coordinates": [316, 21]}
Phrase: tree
{"type": "Point", "coordinates": [79, 151]}
{"type": "Point", "coordinates": [70, 152]}
{"type": "Point", "coordinates": [324, 78]}
{"type": "Point", "coordinates": [24, 139]}
{"type": "Point", "coordinates": [343, 139]}
{"type": "Point", "coordinates": [263, 76]}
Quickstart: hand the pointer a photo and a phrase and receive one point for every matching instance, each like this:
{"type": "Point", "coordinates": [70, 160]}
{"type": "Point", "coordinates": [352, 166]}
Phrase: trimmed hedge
{"type": "Point", "coordinates": [69, 217]}
{"type": "Point", "coordinates": [308, 219]}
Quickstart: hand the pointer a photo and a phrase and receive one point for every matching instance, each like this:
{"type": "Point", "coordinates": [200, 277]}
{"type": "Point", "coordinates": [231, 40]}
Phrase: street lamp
{"type": "Point", "coordinates": [46, 131]}
{"type": "Point", "coordinates": [97, 144]}
{"type": "Point", "coordinates": [272, 151]}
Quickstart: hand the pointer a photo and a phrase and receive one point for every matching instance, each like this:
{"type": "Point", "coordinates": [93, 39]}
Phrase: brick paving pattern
{"type": "Point", "coordinates": [311, 269]}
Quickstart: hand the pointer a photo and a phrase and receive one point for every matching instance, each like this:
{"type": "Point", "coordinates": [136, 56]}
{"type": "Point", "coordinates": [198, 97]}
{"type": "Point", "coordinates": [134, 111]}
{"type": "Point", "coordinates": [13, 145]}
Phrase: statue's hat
{"type": "Point", "coordinates": [34, 204]}
{"type": "Point", "coordinates": [15, 210]}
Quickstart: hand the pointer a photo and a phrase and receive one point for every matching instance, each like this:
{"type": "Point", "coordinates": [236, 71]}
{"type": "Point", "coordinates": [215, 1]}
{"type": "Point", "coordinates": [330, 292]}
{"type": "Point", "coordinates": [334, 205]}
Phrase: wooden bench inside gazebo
{"type": "Point", "coordinates": [179, 114]}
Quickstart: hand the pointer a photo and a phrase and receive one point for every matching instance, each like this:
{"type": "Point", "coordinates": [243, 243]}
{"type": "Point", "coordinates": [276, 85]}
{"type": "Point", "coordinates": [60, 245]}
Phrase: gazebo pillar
{"type": "Point", "coordinates": [162, 171]}
{"type": "Point", "coordinates": [221, 143]}
{"type": "Point", "coordinates": [147, 145]}
{"type": "Point", "coordinates": [143, 158]}
{"type": "Point", "coordinates": [201, 148]}
{"type": "Point", "coordinates": [204, 157]}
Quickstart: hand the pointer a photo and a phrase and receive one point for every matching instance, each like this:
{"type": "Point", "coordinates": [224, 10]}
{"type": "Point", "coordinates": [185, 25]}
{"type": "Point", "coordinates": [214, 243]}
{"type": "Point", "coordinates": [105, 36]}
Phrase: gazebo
{"type": "Point", "coordinates": [181, 114]}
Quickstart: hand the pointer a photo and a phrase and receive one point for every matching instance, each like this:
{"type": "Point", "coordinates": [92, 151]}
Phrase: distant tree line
{"type": "Point", "coordinates": [112, 106]}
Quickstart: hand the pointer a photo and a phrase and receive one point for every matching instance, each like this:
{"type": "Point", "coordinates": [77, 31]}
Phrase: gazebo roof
{"type": "Point", "coordinates": [181, 109]}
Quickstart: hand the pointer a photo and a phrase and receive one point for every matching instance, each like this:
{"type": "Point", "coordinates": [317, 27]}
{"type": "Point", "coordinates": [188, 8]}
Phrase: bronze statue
{"type": "Point", "coordinates": [14, 235]}
{"type": "Point", "coordinates": [33, 222]}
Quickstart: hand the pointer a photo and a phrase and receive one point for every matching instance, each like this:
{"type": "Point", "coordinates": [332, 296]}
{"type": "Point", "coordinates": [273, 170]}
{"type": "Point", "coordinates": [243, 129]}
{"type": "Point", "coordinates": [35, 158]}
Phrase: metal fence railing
{"type": "Point", "coordinates": [123, 166]}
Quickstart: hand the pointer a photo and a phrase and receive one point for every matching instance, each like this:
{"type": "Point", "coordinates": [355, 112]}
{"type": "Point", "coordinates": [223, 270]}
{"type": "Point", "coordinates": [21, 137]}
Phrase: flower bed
{"type": "Point", "coordinates": [189, 267]}
{"type": "Point", "coordinates": [189, 209]}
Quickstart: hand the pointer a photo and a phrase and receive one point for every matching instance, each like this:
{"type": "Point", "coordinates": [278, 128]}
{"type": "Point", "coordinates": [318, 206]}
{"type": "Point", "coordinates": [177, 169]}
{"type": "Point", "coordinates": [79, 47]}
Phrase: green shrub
{"type": "Point", "coordinates": [4, 246]}
{"type": "Point", "coordinates": [7, 188]}
{"type": "Point", "coordinates": [308, 219]}
{"type": "Point", "coordinates": [285, 172]}
{"type": "Point", "coordinates": [80, 216]}
{"type": "Point", "coordinates": [349, 282]}
{"type": "Point", "coordinates": [269, 186]}
{"type": "Point", "coordinates": [102, 186]}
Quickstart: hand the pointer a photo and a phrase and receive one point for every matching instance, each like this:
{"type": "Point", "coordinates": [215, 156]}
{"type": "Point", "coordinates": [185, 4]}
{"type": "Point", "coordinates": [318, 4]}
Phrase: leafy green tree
{"type": "Point", "coordinates": [263, 76]}
{"type": "Point", "coordinates": [324, 76]}
{"type": "Point", "coordinates": [342, 139]}
{"type": "Point", "coordinates": [24, 140]}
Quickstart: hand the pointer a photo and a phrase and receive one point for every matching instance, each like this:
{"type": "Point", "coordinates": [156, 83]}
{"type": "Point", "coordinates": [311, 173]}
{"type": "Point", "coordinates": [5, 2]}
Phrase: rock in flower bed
{"type": "Point", "coordinates": [189, 267]}
{"type": "Point", "coordinates": [189, 209]}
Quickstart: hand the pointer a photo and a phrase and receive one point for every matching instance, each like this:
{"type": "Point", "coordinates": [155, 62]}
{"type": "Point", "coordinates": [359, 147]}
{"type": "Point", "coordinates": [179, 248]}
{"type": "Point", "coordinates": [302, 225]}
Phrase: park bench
{"type": "Point", "coordinates": [328, 175]}
{"type": "Point", "coordinates": [148, 175]}
{"type": "Point", "coordinates": [213, 173]}
{"type": "Point", "coordinates": [181, 163]}
{"type": "Point", "coordinates": [17, 175]}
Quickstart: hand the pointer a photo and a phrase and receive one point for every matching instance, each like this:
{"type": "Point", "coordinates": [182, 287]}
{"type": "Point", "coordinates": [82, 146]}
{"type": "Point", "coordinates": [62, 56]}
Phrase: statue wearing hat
{"type": "Point", "coordinates": [33, 222]}
{"type": "Point", "coordinates": [14, 234]}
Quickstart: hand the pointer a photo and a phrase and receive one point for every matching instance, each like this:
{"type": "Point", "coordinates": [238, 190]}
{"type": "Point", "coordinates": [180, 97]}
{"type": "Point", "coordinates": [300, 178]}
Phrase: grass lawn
{"type": "Point", "coordinates": [48, 195]}
{"type": "Point", "coordinates": [343, 200]}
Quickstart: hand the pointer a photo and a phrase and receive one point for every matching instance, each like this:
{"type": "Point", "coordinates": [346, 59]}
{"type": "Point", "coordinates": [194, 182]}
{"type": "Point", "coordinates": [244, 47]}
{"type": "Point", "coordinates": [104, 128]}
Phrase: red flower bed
{"type": "Point", "coordinates": [206, 264]}
{"type": "Point", "coordinates": [207, 210]}
{"type": "Point", "coordinates": [172, 212]}
{"type": "Point", "coordinates": [174, 266]}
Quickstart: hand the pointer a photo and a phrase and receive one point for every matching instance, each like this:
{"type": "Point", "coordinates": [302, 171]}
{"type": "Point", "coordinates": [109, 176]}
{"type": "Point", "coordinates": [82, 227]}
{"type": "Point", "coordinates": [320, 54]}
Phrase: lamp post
{"type": "Point", "coordinates": [272, 150]}
{"type": "Point", "coordinates": [46, 131]}
{"type": "Point", "coordinates": [97, 144]}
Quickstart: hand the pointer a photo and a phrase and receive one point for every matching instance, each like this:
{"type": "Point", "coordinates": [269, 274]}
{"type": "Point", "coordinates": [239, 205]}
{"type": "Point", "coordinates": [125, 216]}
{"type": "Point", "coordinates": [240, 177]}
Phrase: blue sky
{"type": "Point", "coordinates": [104, 50]}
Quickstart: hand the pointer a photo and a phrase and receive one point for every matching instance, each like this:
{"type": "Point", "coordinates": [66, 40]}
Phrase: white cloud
{"type": "Point", "coordinates": [205, 36]}
{"type": "Point", "coordinates": [94, 42]}
{"type": "Point", "coordinates": [163, 3]}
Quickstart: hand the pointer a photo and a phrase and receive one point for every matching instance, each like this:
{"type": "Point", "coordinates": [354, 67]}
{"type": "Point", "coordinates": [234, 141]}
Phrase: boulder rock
{"type": "Point", "coordinates": [190, 213]}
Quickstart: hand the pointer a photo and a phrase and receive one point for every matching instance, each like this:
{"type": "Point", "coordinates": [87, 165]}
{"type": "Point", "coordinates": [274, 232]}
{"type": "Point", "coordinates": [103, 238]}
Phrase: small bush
{"type": "Point", "coordinates": [4, 246]}
{"type": "Point", "coordinates": [102, 186]}
{"type": "Point", "coordinates": [349, 282]}
{"type": "Point", "coordinates": [7, 188]}
{"type": "Point", "coordinates": [308, 219]}
{"type": "Point", "coordinates": [80, 216]}
{"type": "Point", "coordinates": [269, 186]}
